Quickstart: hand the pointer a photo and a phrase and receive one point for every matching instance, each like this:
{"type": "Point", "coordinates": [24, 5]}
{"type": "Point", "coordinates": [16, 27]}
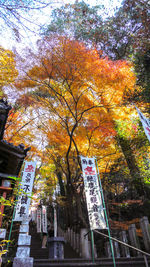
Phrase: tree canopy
{"type": "Point", "coordinates": [8, 71]}
{"type": "Point", "coordinates": [82, 96]}
{"type": "Point", "coordinates": [75, 96]}
{"type": "Point", "coordinates": [117, 36]}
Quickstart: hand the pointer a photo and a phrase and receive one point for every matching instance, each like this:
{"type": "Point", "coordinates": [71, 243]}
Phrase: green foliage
{"type": "Point", "coordinates": [142, 67]}
{"type": "Point", "coordinates": [5, 202]}
{"type": "Point", "coordinates": [77, 20]}
{"type": "Point", "coordinates": [128, 129]}
{"type": "Point", "coordinates": [116, 36]}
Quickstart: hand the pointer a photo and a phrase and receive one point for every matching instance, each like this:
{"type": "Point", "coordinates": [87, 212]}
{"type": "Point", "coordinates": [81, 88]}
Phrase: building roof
{"type": "Point", "coordinates": [4, 105]}
{"type": "Point", "coordinates": [11, 157]}
{"type": "Point", "coordinates": [4, 110]}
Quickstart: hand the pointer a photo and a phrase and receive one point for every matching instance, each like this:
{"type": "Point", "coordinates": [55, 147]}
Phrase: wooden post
{"type": "Point", "coordinates": [116, 249]}
{"type": "Point", "coordinates": [71, 237]}
{"type": "Point", "coordinates": [124, 250]}
{"type": "Point", "coordinates": [145, 227]}
{"type": "Point", "coordinates": [108, 250]}
{"type": "Point", "coordinates": [77, 243]}
{"type": "Point", "coordinates": [134, 239]}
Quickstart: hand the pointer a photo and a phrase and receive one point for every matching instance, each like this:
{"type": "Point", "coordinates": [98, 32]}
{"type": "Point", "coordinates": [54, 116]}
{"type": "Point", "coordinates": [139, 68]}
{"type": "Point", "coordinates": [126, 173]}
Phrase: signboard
{"type": "Point", "coordinates": [38, 220]}
{"type": "Point", "coordinates": [44, 219]}
{"type": "Point", "coordinates": [24, 199]}
{"type": "Point", "coordinates": [93, 196]}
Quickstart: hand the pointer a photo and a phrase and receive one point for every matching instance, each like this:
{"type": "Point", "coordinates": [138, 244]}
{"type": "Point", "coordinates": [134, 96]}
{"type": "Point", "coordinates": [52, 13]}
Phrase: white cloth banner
{"type": "Point", "coordinates": [93, 196]}
{"type": "Point", "coordinates": [44, 219]}
{"type": "Point", "coordinates": [33, 215]}
{"type": "Point", "coordinates": [145, 123]}
{"type": "Point", "coordinates": [38, 220]}
{"type": "Point", "coordinates": [24, 198]}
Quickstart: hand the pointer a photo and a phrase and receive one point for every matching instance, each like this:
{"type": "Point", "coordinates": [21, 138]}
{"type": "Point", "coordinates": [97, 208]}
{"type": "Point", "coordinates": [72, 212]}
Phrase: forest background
{"type": "Point", "coordinates": [74, 94]}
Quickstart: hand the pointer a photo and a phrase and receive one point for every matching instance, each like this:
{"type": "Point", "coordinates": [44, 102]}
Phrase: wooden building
{"type": "Point", "coordinates": [11, 157]}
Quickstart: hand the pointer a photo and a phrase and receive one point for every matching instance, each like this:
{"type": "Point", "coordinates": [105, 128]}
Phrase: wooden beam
{"type": "Point", "coordinates": [8, 176]}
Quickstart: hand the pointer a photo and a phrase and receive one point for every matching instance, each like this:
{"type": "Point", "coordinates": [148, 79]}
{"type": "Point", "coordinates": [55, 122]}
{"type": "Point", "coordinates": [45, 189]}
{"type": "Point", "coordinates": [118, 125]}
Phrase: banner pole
{"type": "Point", "coordinates": [11, 226]}
{"type": "Point", "coordinates": [106, 217]}
{"type": "Point", "coordinates": [92, 243]}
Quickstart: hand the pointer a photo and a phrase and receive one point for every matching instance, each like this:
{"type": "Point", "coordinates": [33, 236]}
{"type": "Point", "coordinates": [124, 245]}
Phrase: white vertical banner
{"type": "Point", "coordinates": [33, 214]}
{"type": "Point", "coordinates": [38, 220]}
{"type": "Point", "coordinates": [55, 221]}
{"type": "Point", "coordinates": [44, 219]}
{"type": "Point", "coordinates": [145, 123]}
{"type": "Point", "coordinates": [93, 195]}
{"type": "Point", "coordinates": [24, 198]}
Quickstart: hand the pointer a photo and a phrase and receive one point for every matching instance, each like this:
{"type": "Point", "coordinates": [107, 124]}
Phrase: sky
{"type": "Point", "coordinates": [29, 38]}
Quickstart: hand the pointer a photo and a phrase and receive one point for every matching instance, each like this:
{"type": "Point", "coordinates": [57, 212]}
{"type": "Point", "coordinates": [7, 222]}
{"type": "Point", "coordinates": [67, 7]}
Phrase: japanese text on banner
{"type": "Point", "coordinates": [93, 196]}
{"type": "Point", "coordinates": [24, 198]}
{"type": "Point", "coordinates": [44, 219]}
{"type": "Point", "coordinates": [38, 222]}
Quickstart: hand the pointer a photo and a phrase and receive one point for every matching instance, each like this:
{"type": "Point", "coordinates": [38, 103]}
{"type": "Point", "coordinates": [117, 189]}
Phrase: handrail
{"type": "Point", "coordinates": [123, 243]}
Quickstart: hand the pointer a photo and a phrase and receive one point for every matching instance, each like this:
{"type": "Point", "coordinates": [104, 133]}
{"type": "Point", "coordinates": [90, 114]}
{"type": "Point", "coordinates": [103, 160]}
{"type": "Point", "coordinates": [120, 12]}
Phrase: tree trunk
{"type": "Point", "coordinates": [137, 180]}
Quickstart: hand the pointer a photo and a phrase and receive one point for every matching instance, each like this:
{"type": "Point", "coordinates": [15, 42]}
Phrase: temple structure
{"type": "Point", "coordinates": [11, 157]}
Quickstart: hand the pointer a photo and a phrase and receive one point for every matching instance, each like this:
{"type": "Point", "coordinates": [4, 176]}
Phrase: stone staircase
{"type": "Point", "coordinates": [37, 252]}
{"type": "Point", "coordinates": [122, 262]}
{"type": "Point", "coordinates": [72, 259]}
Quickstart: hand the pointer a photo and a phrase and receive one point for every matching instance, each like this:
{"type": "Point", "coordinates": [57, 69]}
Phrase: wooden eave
{"type": "Point", "coordinates": [3, 188]}
{"type": "Point", "coordinates": [11, 149]}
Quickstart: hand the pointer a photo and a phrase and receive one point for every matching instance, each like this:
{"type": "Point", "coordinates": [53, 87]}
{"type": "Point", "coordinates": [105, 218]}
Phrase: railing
{"type": "Point", "coordinates": [127, 245]}
{"type": "Point", "coordinates": [80, 241]}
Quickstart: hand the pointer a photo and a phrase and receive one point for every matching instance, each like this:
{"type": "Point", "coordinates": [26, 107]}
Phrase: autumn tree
{"type": "Point", "coordinates": [121, 36]}
{"type": "Point", "coordinates": [78, 90]}
{"type": "Point", "coordinates": [125, 35]}
{"type": "Point", "coordinates": [8, 72]}
{"type": "Point", "coordinates": [20, 129]}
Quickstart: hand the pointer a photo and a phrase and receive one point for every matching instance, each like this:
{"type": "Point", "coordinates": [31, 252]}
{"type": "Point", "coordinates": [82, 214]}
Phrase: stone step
{"type": "Point", "coordinates": [122, 262]}
{"type": "Point", "coordinates": [39, 253]}
{"type": "Point", "coordinates": [69, 252]}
